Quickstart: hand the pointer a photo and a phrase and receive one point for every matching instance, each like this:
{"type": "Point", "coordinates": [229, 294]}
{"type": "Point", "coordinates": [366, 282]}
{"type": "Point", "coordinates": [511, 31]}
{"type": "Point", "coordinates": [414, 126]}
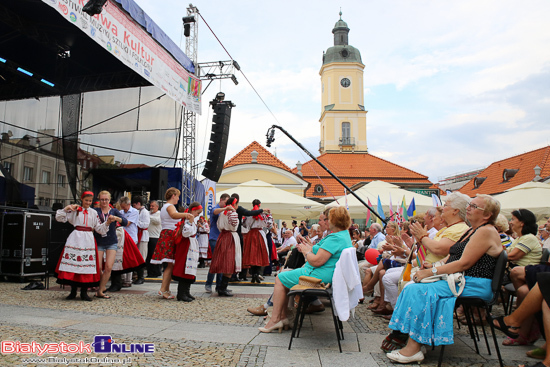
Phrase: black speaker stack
{"type": "Point", "coordinates": [159, 183]}
{"type": "Point", "coordinates": [218, 139]}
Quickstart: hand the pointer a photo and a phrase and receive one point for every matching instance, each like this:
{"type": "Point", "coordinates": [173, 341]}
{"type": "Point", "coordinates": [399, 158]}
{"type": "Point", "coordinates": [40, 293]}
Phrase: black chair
{"type": "Point", "coordinates": [301, 312]}
{"type": "Point", "coordinates": [468, 303]}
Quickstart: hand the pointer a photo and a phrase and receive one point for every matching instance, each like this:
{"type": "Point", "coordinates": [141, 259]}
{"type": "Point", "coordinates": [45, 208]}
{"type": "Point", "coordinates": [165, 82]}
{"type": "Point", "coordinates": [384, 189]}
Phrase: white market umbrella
{"type": "Point", "coordinates": [372, 190]}
{"type": "Point", "coordinates": [283, 204]}
{"type": "Point", "coordinates": [534, 196]}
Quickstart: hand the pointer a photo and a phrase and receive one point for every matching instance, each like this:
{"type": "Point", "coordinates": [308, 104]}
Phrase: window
{"type": "Point", "coordinates": [8, 166]}
{"type": "Point", "coordinates": [46, 177]}
{"type": "Point", "coordinates": [346, 129]}
{"type": "Point", "coordinates": [61, 180]}
{"type": "Point", "coordinates": [28, 173]}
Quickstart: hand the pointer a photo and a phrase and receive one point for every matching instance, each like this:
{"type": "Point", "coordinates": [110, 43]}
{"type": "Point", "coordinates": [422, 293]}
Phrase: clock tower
{"type": "Point", "coordinates": [343, 116]}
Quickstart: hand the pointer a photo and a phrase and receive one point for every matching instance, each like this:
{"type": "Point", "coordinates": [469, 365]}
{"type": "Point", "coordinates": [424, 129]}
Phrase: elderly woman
{"type": "Point", "coordinates": [425, 310]}
{"type": "Point", "coordinates": [320, 263]}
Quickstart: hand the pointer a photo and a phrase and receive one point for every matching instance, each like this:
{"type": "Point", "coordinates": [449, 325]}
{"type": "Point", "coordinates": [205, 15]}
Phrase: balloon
{"type": "Point", "coordinates": [371, 255]}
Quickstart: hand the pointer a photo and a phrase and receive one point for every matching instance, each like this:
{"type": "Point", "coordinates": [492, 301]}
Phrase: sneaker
{"type": "Point", "coordinates": [208, 288]}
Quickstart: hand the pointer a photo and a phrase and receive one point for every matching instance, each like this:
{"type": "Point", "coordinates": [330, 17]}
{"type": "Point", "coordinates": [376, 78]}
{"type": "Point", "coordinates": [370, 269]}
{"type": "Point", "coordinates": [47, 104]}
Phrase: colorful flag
{"type": "Point", "coordinates": [411, 212]}
{"type": "Point", "coordinates": [380, 210]}
{"type": "Point", "coordinates": [367, 221]}
{"type": "Point", "coordinates": [391, 210]}
{"type": "Point", "coordinates": [403, 209]}
{"type": "Point", "coordinates": [435, 200]}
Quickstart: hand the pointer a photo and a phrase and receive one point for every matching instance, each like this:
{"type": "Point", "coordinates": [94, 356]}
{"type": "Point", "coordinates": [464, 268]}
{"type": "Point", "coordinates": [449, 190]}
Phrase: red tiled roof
{"type": "Point", "coordinates": [524, 163]}
{"type": "Point", "coordinates": [354, 168]}
{"type": "Point", "coordinates": [264, 157]}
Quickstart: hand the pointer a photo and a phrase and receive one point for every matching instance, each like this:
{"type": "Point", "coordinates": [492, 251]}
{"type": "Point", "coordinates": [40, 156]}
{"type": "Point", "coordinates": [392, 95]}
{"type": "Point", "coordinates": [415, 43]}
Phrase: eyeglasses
{"type": "Point", "coordinates": [472, 205]}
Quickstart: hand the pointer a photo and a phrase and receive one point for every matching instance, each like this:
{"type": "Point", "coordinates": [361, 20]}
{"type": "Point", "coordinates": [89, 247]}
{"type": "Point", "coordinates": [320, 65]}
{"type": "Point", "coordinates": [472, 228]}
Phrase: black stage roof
{"type": "Point", "coordinates": [34, 37]}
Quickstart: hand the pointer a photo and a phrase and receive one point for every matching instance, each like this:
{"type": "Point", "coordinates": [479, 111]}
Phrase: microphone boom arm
{"type": "Point", "coordinates": [270, 139]}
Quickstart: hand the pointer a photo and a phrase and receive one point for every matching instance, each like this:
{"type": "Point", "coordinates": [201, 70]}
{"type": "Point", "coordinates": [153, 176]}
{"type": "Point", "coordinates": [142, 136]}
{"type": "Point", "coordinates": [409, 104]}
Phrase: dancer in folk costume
{"type": "Point", "coordinates": [187, 253]}
{"type": "Point", "coordinates": [142, 235]}
{"type": "Point", "coordinates": [202, 238]}
{"type": "Point", "coordinates": [256, 250]}
{"type": "Point", "coordinates": [227, 254]}
{"type": "Point", "coordinates": [107, 243]}
{"type": "Point", "coordinates": [165, 250]}
{"type": "Point", "coordinates": [128, 258]}
{"type": "Point", "coordinates": [78, 265]}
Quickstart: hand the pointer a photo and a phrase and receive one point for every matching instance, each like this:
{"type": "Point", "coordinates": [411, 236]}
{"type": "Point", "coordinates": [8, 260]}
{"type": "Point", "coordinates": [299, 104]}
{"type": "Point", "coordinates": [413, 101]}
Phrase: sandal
{"type": "Point", "coordinates": [166, 295]}
{"type": "Point", "coordinates": [501, 325]}
{"type": "Point", "coordinates": [102, 296]}
{"type": "Point", "coordinates": [520, 340]}
{"type": "Point", "coordinates": [537, 353]}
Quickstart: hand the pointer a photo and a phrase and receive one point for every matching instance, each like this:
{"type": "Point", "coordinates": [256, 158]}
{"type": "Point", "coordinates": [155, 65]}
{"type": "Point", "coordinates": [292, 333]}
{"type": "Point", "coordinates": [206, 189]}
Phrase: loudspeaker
{"type": "Point", "coordinates": [159, 183]}
{"type": "Point", "coordinates": [218, 140]}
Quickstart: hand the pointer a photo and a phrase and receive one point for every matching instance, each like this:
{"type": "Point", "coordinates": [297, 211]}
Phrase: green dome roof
{"type": "Point", "coordinates": [342, 53]}
{"type": "Point", "coordinates": [341, 24]}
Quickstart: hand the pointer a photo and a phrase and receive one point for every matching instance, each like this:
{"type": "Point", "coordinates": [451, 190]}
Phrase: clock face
{"type": "Point", "coordinates": [345, 82]}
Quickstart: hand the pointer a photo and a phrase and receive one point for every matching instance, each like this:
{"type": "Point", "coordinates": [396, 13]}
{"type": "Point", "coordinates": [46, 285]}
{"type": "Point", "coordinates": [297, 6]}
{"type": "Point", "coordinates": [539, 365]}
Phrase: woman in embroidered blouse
{"type": "Point", "coordinates": [321, 261]}
{"type": "Point", "coordinates": [202, 238]}
{"type": "Point", "coordinates": [425, 310]}
{"type": "Point", "coordinates": [165, 250]}
{"type": "Point", "coordinates": [255, 244]}
{"type": "Point", "coordinates": [78, 265]}
{"type": "Point", "coordinates": [187, 253]}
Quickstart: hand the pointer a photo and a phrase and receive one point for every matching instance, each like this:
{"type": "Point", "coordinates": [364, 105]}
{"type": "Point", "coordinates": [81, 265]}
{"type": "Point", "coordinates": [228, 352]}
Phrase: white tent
{"type": "Point", "coordinates": [283, 204]}
{"type": "Point", "coordinates": [534, 196]}
{"type": "Point", "coordinates": [372, 190]}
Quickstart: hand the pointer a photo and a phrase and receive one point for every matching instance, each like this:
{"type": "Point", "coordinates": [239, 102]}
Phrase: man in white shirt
{"type": "Point", "coordinates": [288, 244]}
{"type": "Point", "coordinates": [132, 215]}
{"type": "Point", "coordinates": [295, 229]}
{"type": "Point", "coordinates": [153, 270]}
{"type": "Point", "coordinates": [143, 234]}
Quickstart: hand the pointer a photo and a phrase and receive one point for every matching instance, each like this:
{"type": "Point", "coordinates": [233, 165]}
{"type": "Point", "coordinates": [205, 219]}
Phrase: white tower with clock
{"type": "Point", "coordinates": [343, 116]}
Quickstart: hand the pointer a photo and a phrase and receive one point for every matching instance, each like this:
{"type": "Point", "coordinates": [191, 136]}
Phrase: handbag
{"type": "Point", "coordinates": [452, 280]}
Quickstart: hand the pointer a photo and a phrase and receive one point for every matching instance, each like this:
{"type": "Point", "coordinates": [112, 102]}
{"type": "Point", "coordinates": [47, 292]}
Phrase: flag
{"type": "Point", "coordinates": [435, 200]}
{"type": "Point", "coordinates": [411, 212]}
{"type": "Point", "coordinates": [391, 209]}
{"type": "Point", "coordinates": [367, 221]}
{"type": "Point", "coordinates": [380, 210]}
{"type": "Point", "coordinates": [403, 209]}
{"type": "Point", "coordinates": [346, 197]}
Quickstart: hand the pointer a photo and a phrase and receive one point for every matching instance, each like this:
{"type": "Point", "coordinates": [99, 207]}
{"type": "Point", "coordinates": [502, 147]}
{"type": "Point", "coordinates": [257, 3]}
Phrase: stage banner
{"type": "Point", "coordinates": [210, 196]}
{"type": "Point", "coordinates": [119, 34]}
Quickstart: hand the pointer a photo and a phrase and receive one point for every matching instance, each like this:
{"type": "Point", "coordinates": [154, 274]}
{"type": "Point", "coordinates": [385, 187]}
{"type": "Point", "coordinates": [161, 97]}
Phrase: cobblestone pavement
{"type": "Point", "coordinates": [210, 331]}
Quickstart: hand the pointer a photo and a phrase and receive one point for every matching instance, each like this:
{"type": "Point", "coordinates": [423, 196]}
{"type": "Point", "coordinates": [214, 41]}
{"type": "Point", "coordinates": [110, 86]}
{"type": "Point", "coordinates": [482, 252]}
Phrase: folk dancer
{"type": "Point", "coordinates": [78, 265]}
{"type": "Point", "coordinates": [186, 254]}
{"type": "Point", "coordinates": [255, 246]}
{"type": "Point", "coordinates": [165, 250]}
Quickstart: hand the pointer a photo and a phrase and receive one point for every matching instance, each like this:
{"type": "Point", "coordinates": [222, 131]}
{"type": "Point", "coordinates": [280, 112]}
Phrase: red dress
{"type": "Point", "coordinates": [227, 254]}
{"type": "Point", "coordinates": [187, 252]}
{"type": "Point", "coordinates": [128, 258]}
{"type": "Point", "coordinates": [256, 252]}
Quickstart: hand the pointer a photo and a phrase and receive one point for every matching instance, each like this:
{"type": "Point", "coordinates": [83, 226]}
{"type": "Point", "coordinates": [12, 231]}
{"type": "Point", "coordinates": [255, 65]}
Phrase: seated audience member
{"type": "Point", "coordinates": [422, 304]}
{"type": "Point", "coordinates": [356, 238]}
{"type": "Point", "coordinates": [526, 248]}
{"type": "Point", "coordinates": [545, 236]}
{"type": "Point", "coordinates": [314, 233]}
{"type": "Point", "coordinates": [289, 243]}
{"type": "Point", "coordinates": [321, 261]}
{"type": "Point", "coordinates": [537, 300]}
{"type": "Point", "coordinates": [502, 227]}
{"type": "Point", "coordinates": [375, 230]}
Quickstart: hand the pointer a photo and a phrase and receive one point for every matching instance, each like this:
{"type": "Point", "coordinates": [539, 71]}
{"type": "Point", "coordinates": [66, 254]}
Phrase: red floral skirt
{"type": "Point", "coordinates": [223, 260]}
{"type": "Point", "coordinates": [78, 280]}
{"type": "Point", "coordinates": [165, 250]}
{"type": "Point", "coordinates": [254, 250]}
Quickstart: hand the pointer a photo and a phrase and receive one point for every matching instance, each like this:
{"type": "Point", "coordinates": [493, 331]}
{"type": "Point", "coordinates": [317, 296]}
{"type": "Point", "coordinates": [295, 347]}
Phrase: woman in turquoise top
{"type": "Point", "coordinates": [320, 263]}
